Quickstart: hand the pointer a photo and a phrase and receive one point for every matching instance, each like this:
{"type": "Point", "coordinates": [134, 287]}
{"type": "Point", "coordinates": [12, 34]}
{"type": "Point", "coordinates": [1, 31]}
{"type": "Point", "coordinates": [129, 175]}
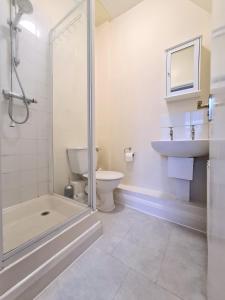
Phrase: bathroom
{"type": "Point", "coordinates": [111, 146]}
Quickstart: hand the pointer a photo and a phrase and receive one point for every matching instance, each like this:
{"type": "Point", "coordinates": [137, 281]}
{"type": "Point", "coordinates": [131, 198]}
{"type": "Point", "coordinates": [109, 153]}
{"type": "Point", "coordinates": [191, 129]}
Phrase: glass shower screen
{"type": "Point", "coordinates": [45, 58]}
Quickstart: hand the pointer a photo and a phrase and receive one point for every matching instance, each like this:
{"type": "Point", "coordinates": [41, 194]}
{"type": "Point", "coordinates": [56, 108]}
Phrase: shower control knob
{"type": "Point", "coordinates": [16, 61]}
{"type": "Point", "coordinates": [31, 101]}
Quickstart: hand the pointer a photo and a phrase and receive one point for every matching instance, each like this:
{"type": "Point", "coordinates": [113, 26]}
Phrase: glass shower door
{"type": "Point", "coordinates": [69, 84]}
{"type": "Point", "coordinates": [45, 109]}
{"type": "Point", "coordinates": [71, 51]}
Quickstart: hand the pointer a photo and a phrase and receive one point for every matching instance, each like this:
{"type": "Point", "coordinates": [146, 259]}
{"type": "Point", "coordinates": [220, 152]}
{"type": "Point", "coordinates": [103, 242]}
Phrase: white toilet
{"type": "Point", "coordinates": [106, 181]}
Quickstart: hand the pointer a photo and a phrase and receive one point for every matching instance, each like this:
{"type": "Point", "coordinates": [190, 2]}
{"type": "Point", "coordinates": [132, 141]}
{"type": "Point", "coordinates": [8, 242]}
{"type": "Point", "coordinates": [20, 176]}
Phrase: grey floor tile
{"type": "Point", "coordinates": [137, 287]}
{"type": "Point", "coordinates": [123, 213]}
{"type": "Point", "coordinates": [107, 243]}
{"type": "Point", "coordinates": [135, 251]}
{"type": "Point", "coordinates": [116, 225]}
{"type": "Point", "coordinates": [152, 232]}
{"type": "Point", "coordinates": [144, 246]}
{"type": "Point", "coordinates": [145, 259]}
{"type": "Point", "coordinates": [183, 270]}
{"type": "Point", "coordinates": [95, 275]}
{"type": "Point", "coordinates": [193, 244]}
{"type": "Point", "coordinates": [51, 293]}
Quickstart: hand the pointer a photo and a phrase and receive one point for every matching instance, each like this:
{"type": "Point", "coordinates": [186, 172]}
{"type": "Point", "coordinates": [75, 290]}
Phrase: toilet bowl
{"type": "Point", "coordinates": [106, 182]}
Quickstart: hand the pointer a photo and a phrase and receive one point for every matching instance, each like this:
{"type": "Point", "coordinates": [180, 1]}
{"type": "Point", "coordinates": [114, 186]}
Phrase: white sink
{"type": "Point", "coordinates": [183, 148]}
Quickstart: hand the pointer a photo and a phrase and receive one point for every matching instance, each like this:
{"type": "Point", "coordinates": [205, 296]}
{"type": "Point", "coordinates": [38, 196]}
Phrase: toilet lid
{"type": "Point", "coordinates": [107, 175]}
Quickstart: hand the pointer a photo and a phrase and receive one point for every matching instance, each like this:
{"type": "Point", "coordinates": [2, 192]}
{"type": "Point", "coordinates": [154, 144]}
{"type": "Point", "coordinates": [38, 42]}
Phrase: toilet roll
{"type": "Point", "coordinates": [129, 156]}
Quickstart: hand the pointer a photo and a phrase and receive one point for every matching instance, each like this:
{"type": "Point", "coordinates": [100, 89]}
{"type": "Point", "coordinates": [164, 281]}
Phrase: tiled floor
{"type": "Point", "coordinates": [138, 257]}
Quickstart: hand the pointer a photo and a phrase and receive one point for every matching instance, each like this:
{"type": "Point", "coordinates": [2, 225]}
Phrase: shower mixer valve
{"type": "Point", "coordinates": [9, 95]}
{"type": "Point", "coordinates": [21, 7]}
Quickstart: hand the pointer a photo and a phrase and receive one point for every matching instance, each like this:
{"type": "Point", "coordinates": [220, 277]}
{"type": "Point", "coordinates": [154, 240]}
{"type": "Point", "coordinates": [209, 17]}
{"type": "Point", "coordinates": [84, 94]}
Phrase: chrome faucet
{"type": "Point", "coordinates": [193, 132]}
{"type": "Point", "coordinates": [171, 133]}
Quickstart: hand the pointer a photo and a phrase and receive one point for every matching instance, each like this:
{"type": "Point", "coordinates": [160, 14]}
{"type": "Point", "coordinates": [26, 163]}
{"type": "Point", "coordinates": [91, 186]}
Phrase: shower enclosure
{"type": "Point", "coordinates": [46, 107]}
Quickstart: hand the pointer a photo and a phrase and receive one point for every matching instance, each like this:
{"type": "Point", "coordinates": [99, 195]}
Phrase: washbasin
{"type": "Point", "coordinates": [182, 148]}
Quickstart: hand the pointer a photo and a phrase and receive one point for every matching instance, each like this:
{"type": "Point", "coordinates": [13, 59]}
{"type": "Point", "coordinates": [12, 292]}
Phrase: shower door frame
{"type": "Point", "coordinates": [11, 256]}
{"type": "Point", "coordinates": [91, 103]}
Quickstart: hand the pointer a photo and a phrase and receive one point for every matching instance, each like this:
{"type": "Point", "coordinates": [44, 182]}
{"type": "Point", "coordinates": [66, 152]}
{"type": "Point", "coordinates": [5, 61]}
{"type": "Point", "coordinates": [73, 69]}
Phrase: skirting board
{"type": "Point", "coordinates": [33, 284]}
{"type": "Point", "coordinates": [179, 212]}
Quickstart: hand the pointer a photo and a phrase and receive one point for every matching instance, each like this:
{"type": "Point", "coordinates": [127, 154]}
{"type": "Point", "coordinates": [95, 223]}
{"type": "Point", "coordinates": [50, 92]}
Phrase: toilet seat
{"type": "Point", "coordinates": [107, 175]}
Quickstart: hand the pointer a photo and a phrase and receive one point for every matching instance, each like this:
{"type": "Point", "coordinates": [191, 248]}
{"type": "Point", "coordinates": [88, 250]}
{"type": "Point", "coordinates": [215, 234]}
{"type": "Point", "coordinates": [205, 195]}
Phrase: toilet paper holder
{"type": "Point", "coordinates": [128, 150]}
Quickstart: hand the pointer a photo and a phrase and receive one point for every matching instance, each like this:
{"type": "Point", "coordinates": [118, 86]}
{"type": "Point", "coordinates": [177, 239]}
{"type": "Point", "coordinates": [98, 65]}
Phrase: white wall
{"type": "Point", "coordinates": [25, 148]}
{"type": "Point", "coordinates": [130, 84]}
{"type": "Point", "coordinates": [25, 151]}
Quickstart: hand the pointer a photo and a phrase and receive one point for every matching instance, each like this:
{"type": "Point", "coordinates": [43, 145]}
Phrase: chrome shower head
{"type": "Point", "coordinates": [25, 7]}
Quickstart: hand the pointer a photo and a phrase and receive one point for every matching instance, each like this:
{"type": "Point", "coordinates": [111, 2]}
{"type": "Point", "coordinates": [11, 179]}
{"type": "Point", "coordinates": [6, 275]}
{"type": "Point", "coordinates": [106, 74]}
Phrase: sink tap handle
{"type": "Point", "coordinates": [171, 133]}
{"type": "Point", "coordinates": [193, 132]}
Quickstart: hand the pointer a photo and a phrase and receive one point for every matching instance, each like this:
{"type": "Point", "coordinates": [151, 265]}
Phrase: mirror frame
{"type": "Point", "coordinates": [195, 90]}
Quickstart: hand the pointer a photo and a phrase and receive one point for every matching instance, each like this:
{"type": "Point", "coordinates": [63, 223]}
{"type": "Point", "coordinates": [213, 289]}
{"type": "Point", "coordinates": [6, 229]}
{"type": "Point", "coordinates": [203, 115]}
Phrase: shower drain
{"type": "Point", "coordinates": [45, 213]}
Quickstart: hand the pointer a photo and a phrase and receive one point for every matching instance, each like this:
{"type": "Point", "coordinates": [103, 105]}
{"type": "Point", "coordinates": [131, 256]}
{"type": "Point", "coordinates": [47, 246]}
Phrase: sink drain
{"type": "Point", "coordinates": [45, 213]}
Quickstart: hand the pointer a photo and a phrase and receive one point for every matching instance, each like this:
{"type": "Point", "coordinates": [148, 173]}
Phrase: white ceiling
{"type": "Point", "coordinates": [101, 14]}
{"type": "Point", "coordinates": [205, 4]}
{"type": "Point", "coordinates": [116, 8]}
{"type": "Point", "coordinates": [107, 10]}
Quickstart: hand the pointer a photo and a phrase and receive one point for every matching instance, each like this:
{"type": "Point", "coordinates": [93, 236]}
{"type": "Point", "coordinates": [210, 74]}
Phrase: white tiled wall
{"type": "Point", "coordinates": [182, 125]}
{"type": "Point", "coordinates": [25, 150]}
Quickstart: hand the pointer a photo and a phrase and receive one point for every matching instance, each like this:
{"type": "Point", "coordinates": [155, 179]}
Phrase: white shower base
{"type": "Point", "coordinates": [55, 243]}
{"type": "Point", "coordinates": [24, 222]}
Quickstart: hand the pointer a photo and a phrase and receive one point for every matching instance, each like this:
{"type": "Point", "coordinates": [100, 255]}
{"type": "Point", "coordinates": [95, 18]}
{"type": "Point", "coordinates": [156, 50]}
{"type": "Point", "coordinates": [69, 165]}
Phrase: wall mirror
{"type": "Point", "coordinates": [183, 70]}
